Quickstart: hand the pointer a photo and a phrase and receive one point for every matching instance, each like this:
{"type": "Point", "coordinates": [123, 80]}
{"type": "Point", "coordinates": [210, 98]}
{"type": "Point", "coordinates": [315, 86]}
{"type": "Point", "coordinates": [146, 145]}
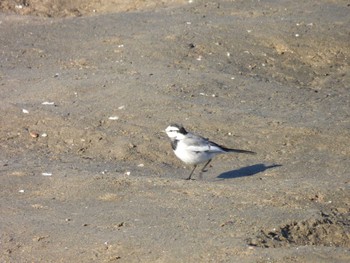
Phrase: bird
{"type": "Point", "coordinates": [194, 149]}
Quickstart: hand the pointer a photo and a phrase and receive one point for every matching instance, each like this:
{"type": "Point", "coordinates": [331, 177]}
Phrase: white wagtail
{"type": "Point", "coordinates": [194, 149]}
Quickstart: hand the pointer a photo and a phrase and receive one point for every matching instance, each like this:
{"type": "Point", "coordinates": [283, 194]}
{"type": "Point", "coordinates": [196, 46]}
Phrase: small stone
{"type": "Point", "coordinates": [34, 134]}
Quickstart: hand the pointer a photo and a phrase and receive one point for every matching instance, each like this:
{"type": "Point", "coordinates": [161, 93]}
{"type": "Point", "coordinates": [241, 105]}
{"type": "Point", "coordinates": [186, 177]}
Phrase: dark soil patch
{"type": "Point", "coordinates": [330, 229]}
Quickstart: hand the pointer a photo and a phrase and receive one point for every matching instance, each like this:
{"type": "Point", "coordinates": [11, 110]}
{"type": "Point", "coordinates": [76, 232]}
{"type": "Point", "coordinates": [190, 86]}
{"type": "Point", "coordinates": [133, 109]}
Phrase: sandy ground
{"type": "Point", "coordinates": [86, 174]}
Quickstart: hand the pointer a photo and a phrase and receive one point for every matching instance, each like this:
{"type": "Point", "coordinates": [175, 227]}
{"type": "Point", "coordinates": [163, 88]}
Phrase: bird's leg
{"type": "Point", "coordinates": [189, 177]}
{"type": "Point", "coordinates": [203, 169]}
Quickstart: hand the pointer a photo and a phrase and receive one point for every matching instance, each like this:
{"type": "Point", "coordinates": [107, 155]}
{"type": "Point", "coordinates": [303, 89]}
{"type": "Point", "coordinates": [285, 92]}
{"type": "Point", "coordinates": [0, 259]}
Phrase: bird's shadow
{"type": "Point", "coordinates": [247, 171]}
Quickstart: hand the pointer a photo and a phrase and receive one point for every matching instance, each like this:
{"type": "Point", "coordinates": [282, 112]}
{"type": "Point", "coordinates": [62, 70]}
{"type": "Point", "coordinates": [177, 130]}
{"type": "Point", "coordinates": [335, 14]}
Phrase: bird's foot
{"type": "Point", "coordinates": [205, 170]}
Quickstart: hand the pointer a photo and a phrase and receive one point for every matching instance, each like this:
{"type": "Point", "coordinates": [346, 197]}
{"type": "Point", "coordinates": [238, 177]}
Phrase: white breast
{"type": "Point", "coordinates": [189, 156]}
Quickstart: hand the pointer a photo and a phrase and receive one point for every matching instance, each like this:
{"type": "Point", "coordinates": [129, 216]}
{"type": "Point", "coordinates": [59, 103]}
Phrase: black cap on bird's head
{"type": "Point", "coordinates": [180, 128]}
{"type": "Point", "coordinates": [174, 130]}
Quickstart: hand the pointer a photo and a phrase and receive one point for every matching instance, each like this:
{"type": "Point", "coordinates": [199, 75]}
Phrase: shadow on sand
{"type": "Point", "coordinates": [247, 171]}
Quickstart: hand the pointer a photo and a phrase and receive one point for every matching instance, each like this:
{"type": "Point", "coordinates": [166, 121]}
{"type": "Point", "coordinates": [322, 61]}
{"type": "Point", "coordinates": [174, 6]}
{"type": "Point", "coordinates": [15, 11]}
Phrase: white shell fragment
{"type": "Point", "coordinates": [25, 111]}
{"type": "Point", "coordinates": [46, 174]}
{"type": "Point", "coordinates": [206, 95]}
{"type": "Point", "coordinates": [48, 103]}
{"type": "Point", "coordinates": [21, 191]}
{"type": "Point", "coordinates": [113, 118]}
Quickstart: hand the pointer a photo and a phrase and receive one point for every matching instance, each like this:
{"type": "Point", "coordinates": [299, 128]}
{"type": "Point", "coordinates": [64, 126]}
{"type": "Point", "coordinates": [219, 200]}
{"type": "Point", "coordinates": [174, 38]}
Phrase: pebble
{"type": "Point", "coordinates": [34, 134]}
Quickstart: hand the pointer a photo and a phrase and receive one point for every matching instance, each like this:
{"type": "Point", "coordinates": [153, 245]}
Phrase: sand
{"type": "Point", "coordinates": [87, 175]}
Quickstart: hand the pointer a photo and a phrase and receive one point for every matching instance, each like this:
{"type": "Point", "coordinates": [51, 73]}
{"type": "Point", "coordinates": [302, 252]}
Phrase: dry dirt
{"type": "Point", "coordinates": [86, 174]}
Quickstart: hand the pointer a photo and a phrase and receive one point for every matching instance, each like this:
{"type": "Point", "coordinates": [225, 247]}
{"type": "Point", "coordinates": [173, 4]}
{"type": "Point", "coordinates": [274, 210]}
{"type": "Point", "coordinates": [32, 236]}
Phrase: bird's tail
{"type": "Point", "coordinates": [239, 151]}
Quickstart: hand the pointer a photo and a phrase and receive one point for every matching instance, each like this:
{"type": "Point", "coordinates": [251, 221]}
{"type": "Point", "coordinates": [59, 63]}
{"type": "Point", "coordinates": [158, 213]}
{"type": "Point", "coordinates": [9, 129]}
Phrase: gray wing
{"type": "Point", "coordinates": [199, 144]}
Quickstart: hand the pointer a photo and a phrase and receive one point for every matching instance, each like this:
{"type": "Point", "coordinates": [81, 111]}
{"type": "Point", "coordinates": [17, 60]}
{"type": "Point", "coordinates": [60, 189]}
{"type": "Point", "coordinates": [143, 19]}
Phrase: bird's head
{"type": "Point", "coordinates": [175, 132]}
